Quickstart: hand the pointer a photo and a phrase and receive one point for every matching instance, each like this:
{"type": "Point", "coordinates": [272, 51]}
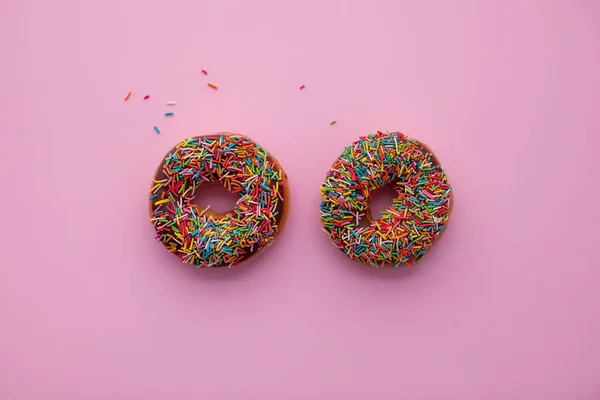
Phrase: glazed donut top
{"type": "Point", "coordinates": [205, 238]}
{"type": "Point", "coordinates": [417, 216]}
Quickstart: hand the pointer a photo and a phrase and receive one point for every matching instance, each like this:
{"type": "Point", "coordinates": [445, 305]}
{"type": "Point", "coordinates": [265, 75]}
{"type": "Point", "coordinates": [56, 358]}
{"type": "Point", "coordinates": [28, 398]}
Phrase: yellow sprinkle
{"type": "Point", "coordinates": [162, 202]}
{"type": "Point", "coordinates": [164, 180]}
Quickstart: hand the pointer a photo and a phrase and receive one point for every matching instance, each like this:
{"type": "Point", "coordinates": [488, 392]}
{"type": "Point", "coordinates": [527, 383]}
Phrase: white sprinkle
{"type": "Point", "coordinates": [170, 103]}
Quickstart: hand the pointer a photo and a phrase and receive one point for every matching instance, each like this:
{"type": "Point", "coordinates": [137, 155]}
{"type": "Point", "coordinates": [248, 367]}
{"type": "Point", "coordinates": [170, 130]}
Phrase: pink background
{"type": "Point", "coordinates": [506, 306]}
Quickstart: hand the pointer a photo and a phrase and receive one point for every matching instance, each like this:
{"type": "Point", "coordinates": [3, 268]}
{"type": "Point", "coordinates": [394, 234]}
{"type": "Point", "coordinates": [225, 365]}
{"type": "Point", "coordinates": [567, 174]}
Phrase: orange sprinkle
{"type": "Point", "coordinates": [212, 85]}
{"type": "Point", "coordinates": [128, 96]}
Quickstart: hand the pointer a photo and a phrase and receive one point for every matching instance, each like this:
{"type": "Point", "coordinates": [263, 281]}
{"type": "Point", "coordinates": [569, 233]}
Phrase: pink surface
{"type": "Point", "coordinates": [506, 306]}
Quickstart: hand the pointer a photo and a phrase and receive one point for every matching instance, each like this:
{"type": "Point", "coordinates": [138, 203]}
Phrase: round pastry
{"type": "Point", "coordinates": [418, 215]}
{"type": "Point", "coordinates": [206, 238]}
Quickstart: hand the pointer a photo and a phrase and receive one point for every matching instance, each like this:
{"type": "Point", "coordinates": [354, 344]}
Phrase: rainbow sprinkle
{"type": "Point", "coordinates": [207, 239]}
{"type": "Point", "coordinates": [418, 214]}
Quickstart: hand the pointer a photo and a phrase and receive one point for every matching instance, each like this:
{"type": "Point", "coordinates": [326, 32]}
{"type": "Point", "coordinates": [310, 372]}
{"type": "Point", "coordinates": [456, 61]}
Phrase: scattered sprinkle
{"type": "Point", "coordinates": [199, 237]}
{"type": "Point", "coordinates": [170, 103]}
{"type": "Point", "coordinates": [168, 114]}
{"type": "Point", "coordinates": [204, 72]}
{"type": "Point", "coordinates": [302, 87]}
{"type": "Point", "coordinates": [333, 122]}
{"type": "Point", "coordinates": [417, 216]}
{"type": "Point", "coordinates": [156, 129]}
{"type": "Point", "coordinates": [212, 85]}
{"type": "Point", "coordinates": [146, 97]}
{"type": "Point", "coordinates": [128, 96]}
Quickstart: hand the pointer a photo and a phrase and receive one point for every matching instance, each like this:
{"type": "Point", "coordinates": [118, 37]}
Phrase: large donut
{"type": "Point", "coordinates": [205, 238]}
{"type": "Point", "coordinates": [418, 215]}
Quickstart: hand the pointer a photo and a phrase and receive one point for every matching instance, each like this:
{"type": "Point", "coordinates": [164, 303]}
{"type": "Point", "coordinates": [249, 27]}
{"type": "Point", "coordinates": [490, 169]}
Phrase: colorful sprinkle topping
{"type": "Point", "coordinates": [418, 214]}
{"type": "Point", "coordinates": [127, 96]}
{"type": "Point", "coordinates": [208, 239]}
{"type": "Point", "coordinates": [212, 85]}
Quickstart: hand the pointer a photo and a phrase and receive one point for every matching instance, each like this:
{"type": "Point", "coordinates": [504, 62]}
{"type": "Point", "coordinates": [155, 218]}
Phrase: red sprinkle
{"type": "Point", "coordinates": [146, 97]}
{"type": "Point", "coordinates": [204, 72]}
{"type": "Point", "coordinates": [302, 87]}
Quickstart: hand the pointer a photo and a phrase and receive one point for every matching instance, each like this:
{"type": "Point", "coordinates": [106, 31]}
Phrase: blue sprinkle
{"type": "Point", "coordinates": [156, 129]}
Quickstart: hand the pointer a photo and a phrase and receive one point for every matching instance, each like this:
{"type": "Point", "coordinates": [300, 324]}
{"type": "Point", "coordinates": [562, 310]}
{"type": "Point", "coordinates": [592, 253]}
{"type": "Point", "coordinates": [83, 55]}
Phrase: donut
{"type": "Point", "coordinates": [419, 212]}
{"type": "Point", "coordinates": [203, 237]}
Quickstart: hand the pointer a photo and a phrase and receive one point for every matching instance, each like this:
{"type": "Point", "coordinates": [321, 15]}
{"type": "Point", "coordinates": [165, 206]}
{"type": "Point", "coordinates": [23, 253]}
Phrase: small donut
{"type": "Point", "coordinates": [418, 215]}
{"type": "Point", "coordinates": [206, 238]}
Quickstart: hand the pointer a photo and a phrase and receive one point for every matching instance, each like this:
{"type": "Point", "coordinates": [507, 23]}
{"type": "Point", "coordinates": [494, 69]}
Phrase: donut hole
{"type": "Point", "coordinates": [381, 200]}
{"type": "Point", "coordinates": [216, 197]}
